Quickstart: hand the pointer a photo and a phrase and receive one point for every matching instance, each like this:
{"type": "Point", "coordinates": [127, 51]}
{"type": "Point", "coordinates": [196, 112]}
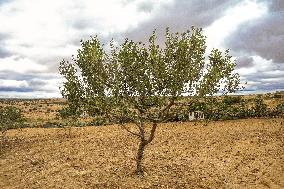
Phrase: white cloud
{"type": "Point", "coordinates": [264, 75]}
{"type": "Point", "coordinates": [13, 83]}
{"type": "Point", "coordinates": [20, 65]}
{"type": "Point", "coordinates": [43, 30]}
{"type": "Point", "coordinates": [54, 23]}
{"type": "Point", "coordinates": [233, 17]}
{"type": "Point", "coordinates": [36, 34]}
{"type": "Point", "coordinates": [43, 85]}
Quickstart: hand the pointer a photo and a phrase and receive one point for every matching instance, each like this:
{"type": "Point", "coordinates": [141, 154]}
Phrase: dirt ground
{"type": "Point", "coordinates": [225, 154]}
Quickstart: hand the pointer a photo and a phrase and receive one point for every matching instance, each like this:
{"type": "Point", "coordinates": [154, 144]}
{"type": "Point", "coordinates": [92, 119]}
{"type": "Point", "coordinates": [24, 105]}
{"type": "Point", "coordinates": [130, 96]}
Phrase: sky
{"type": "Point", "coordinates": [35, 35]}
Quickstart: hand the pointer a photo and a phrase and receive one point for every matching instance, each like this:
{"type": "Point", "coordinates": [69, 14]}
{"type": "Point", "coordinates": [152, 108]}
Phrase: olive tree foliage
{"type": "Point", "coordinates": [10, 118]}
{"type": "Point", "coordinates": [140, 83]}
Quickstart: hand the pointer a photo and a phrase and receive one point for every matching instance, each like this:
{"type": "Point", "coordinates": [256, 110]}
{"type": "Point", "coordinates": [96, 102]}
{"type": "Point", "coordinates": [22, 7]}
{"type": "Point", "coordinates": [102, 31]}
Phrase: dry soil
{"type": "Point", "coordinates": [224, 154]}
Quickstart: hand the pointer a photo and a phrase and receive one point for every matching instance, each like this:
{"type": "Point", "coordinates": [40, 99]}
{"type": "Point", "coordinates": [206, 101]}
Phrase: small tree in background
{"type": "Point", "coordinates": [141, 83]}
{"type": "Point", "coordinates": [10, 118]}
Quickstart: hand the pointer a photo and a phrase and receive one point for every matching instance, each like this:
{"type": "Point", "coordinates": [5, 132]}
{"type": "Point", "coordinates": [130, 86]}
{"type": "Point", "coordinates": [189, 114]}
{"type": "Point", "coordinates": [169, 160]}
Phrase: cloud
{"type": "Point", "coordinates": [274, 5]}
{"type": "Point", "coordinates": [27, 95]}
{"type": "Point", "coordinates": [244, 62]}
{"type": "Point", "coordinates": [19, 85]}
{"type": "Point", "coordinates": [275, 86]}
{"type": "Point", "coordinates": [52, 30]}
{"type": "Point", "coordinates": [258, 47]}
{"type": "Point", "coordinates": [15, 89]}
{"type": "Point", "coordinates": [263, 75]}
{"type": "Point", "coordinates": [221, 29]}
{"type": "Point", "coordinates": [180, 15]}
{"type": "Point", "coordinates": [41, 85]}
{"type": "Point", "coordinates": [145, 7]}
{"type": "Point", "coordinates": [263, 37]}
{"type": "Point", "coordinates": [20, 65]}
{"type": "Point", "coordinates": [36, 35]}
{"type": "Point", "coordinates": [14, 85]}
{"type": "Point", "coordinates": [3, 1]}
{"type": "Point", "coordinates": [3, 51]}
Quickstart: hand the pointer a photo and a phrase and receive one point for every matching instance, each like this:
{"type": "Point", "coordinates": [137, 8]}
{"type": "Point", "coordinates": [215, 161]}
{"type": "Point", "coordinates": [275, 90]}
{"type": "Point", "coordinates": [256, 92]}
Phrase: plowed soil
{"type": "Point", "coordinates": [225, 154]}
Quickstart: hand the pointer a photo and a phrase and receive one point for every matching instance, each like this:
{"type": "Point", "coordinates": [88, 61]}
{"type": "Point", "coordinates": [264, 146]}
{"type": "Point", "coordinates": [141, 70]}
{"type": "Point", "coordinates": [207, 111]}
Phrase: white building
{"type": "Point", "coordinates": [196, 115]}
{"type": "Point", "coordinates": [84, 114]}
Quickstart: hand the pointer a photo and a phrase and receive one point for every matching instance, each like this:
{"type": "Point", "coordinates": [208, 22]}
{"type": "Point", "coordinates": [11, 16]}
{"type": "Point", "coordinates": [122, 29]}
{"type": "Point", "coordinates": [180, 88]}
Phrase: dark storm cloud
{"type": "Point", "coordinates": [15, 89]}
{"type": "Point", "coordinates": [263, 37]}
{"type": "Point", "coordinates": [244, 62]}
{"type": "Point", "coordinates": [180, 16]}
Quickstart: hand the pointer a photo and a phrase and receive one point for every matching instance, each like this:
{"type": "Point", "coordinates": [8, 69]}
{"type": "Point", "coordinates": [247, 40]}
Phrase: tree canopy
{"type": "Point", "coordinates": [135, 76]}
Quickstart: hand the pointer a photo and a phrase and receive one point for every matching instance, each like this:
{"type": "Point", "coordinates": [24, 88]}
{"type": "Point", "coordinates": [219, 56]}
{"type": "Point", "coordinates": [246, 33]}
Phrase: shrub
{"type": "Point", "coordinates": [280, 109]}
{"type": "Point", "coordinates": [98, 121]}
{"type": "Point", "coordinates": [49, 125]}
{"type": "Point", "coordinates": [260, 108]}
{"type": "Point", "coordinates": [10, 118]}
{"type": "Point", "coordinates": [66, 112]}
{"type": "Point", "coordinates": [277, 95]}
{"type": "Point", "coordinates": [229, 100]}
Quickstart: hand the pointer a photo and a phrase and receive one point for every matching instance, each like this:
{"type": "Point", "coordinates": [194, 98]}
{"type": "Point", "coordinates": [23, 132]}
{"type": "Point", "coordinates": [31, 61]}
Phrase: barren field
{"type": "Point", "coordinates": [226, 154]}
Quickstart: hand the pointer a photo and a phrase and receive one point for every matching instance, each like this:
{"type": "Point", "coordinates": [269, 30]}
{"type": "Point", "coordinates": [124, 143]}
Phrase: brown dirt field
{"type": "Point", "coordinates": [225, 154]}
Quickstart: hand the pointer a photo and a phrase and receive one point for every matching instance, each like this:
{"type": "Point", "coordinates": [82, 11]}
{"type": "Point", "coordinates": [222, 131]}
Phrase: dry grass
{"type": "Point", "coordinates": [227, 154]}
{"type": "Point", "coordinates": [37, 111]}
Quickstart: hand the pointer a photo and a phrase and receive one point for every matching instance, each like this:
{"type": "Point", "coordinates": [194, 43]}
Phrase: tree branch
{"type": "Point", "coordinates": [131, 132]}
{"type": "Point", "coordinates": [152, 133]}
{"type": "Point", "coordinates": [141, 125]}
{"type": "Point", "coordinates": [120, 118]}
{"type": "Point", "coordinates": [171, 103]}
{"type": "Point", "coordinates": [184, 103]}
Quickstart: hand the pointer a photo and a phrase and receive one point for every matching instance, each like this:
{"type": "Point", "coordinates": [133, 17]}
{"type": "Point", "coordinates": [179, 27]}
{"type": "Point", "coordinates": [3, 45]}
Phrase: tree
{"type": "Point", "coordinates": [141, 83]}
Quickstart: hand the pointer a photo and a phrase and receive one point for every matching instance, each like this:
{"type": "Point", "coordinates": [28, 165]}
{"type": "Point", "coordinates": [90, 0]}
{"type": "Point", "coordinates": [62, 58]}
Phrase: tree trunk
{"type": "Point", "coordinates": [139, 157]}
{"type": "Point", "coordinates": [142, 145]}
